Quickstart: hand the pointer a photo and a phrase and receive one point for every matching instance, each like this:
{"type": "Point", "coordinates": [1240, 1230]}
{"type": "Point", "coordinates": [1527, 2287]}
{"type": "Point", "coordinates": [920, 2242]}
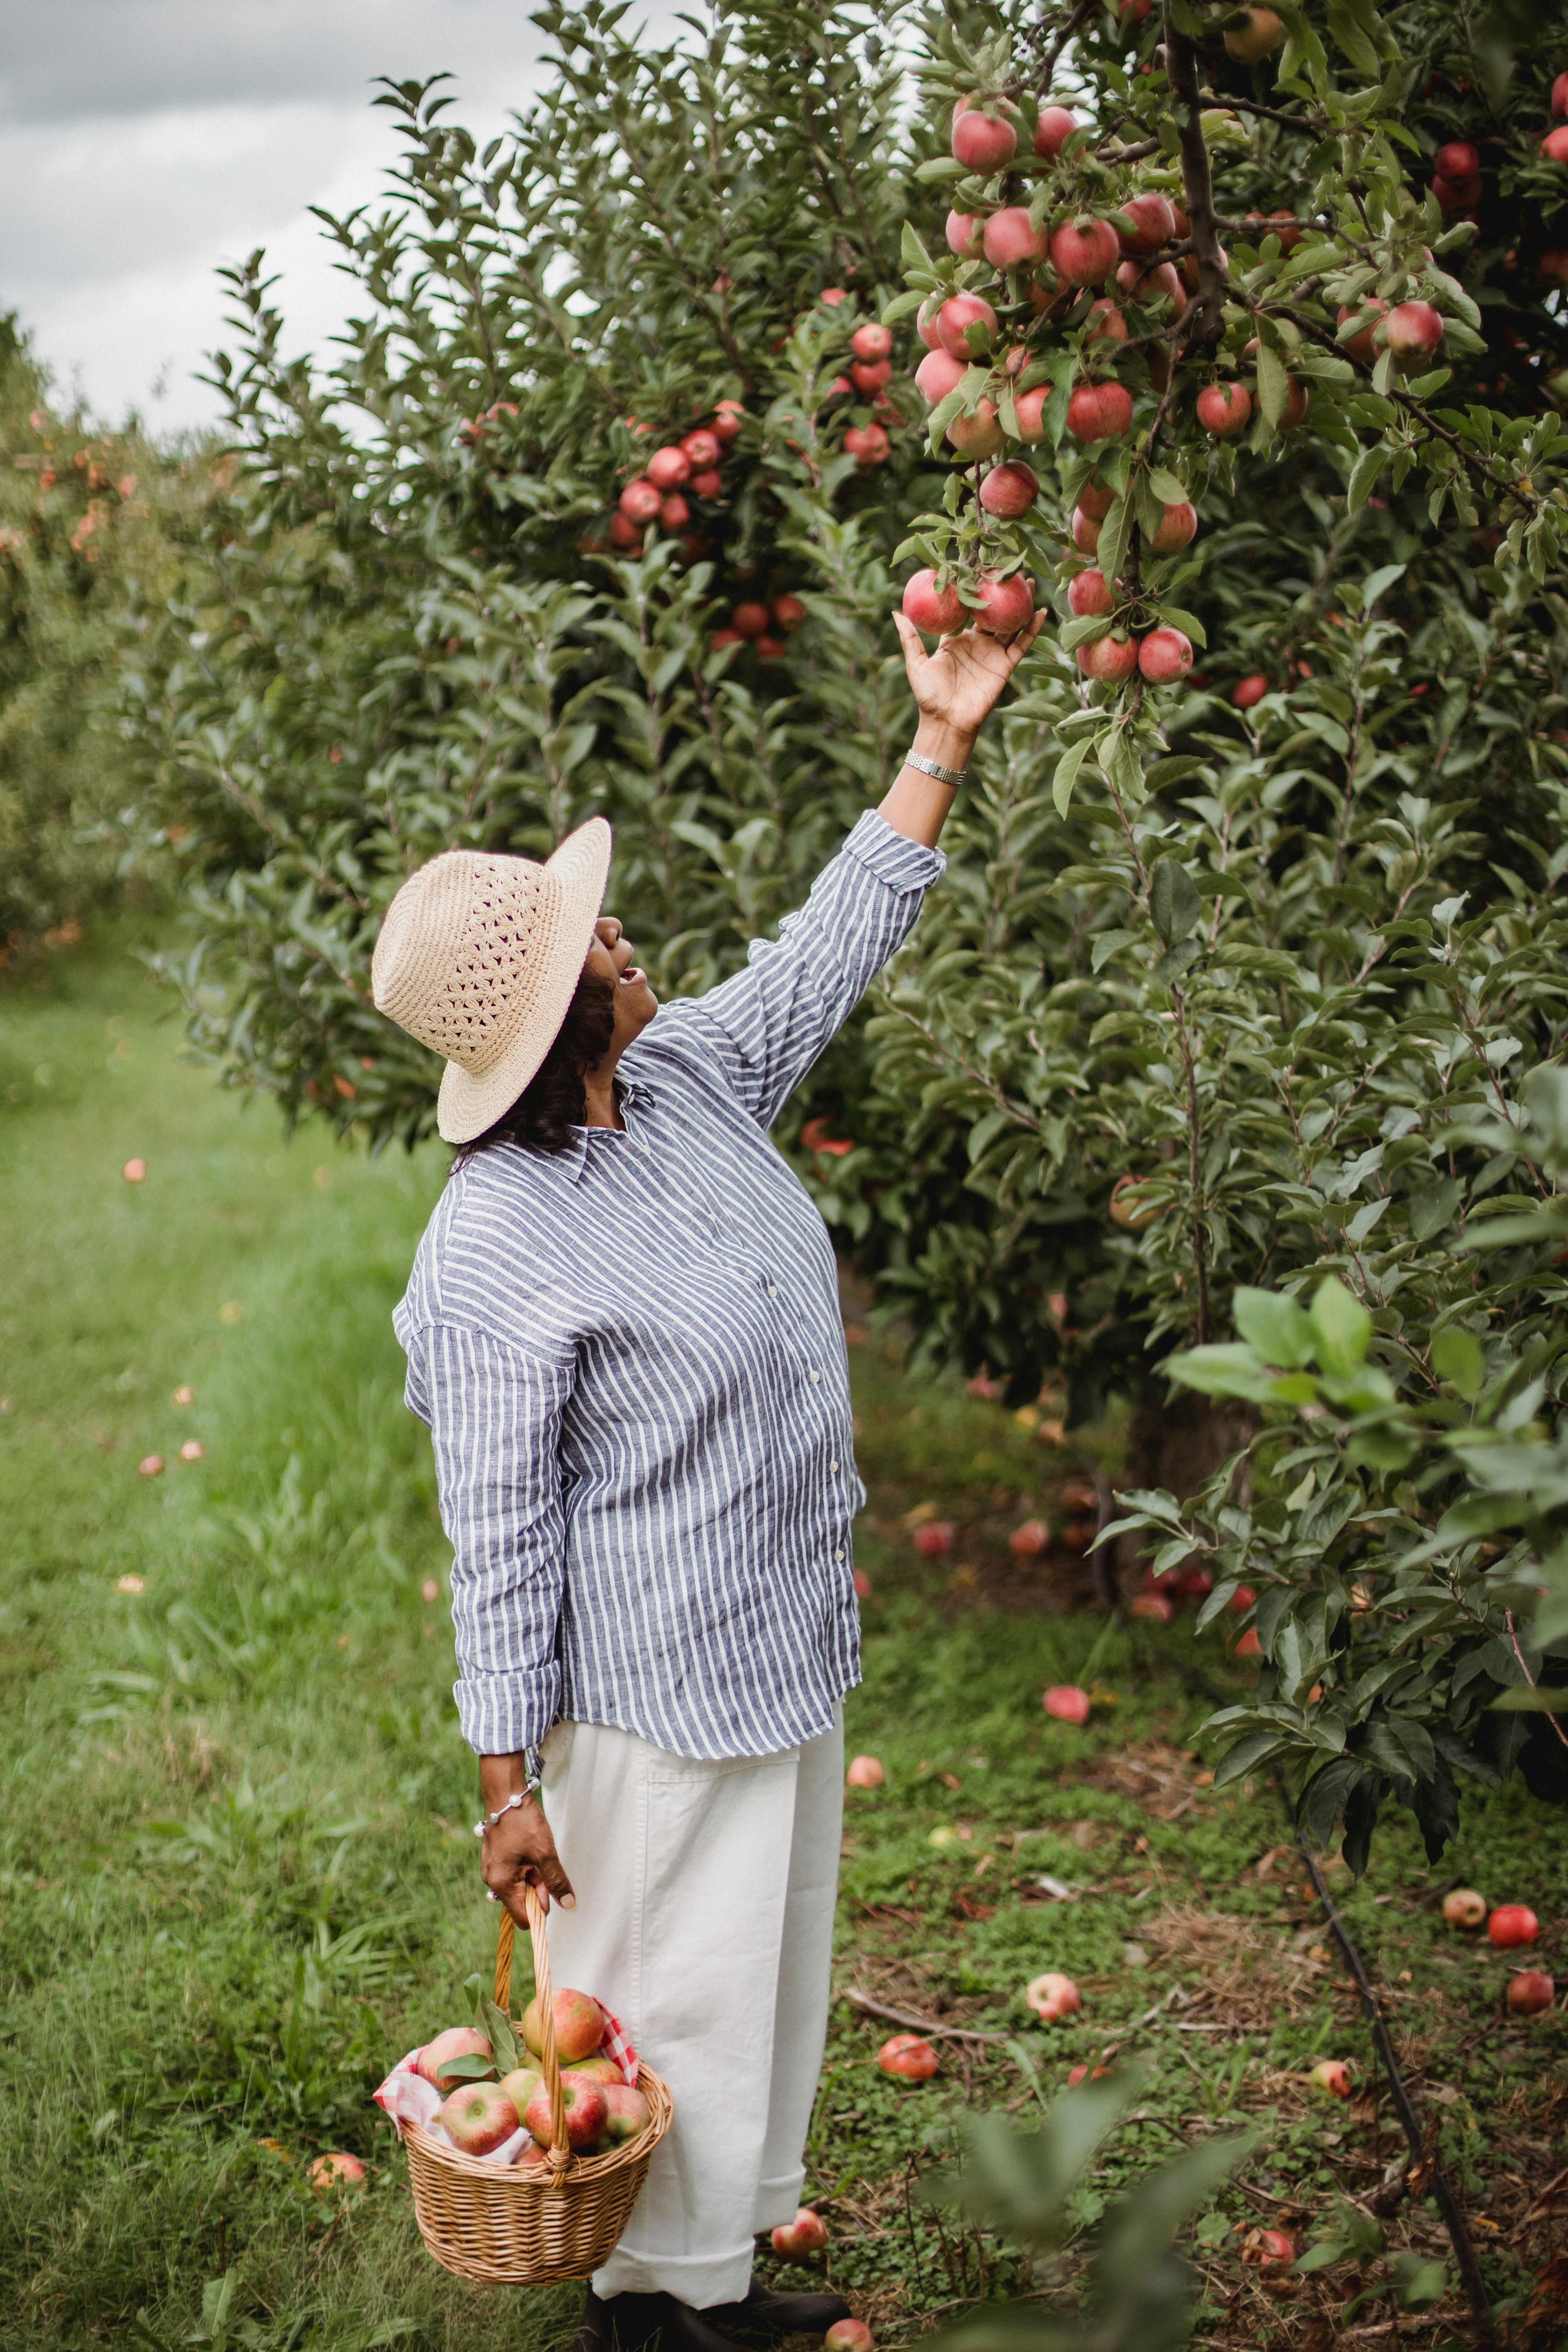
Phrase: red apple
{"type": "Point", "coordinates": [708, 484]}
{"type": "Point", "coordinates": [456, 2042]}
{"type": "Point", "coordinates": [1141, 283]}
{"type": "Point", "coordinates": [1457, 196]}
{"type": "Point", "coordinates": [834, 295]}
{"type": "Point", "coordinates": [669, 469]}
{"type": "Point", "coordinates": [1249, 692]}
{"type": "Point", "coordinates": [1053, 1997]}
{"type": "Point", "coordinates": [1099, 412]}
{"type": "Point", "coordinates": [1029, 408]}
{"type": "Point", "coordinates": [520, 2086]}
{"type": "Point", "coordinates": [1529, 1991]}
{"type": "Point", "coordinates": [963, 315]}
{"type": "Point", "coordinates": [1333, 2075]}
{"type": "Point", "coordinates": [1258, 38]}
{"type": "Point", "coordinates": [908, 2055]}
{"type": "Point", "coordinates": [749, 619]}
{"type": "Point", "coordinates": [674, 514]}
{"type": "Point", "coordinates": [1095, 501]}
{"type": "Point", "coordinates": [599, 2069]}
{"type": "Point", "coordinates": [1560, 94]}
{"type": "Point", "coordinates": [984, 142]}
{"type": "Point", "coordinates": [480, 2116]}
{"type": "Point", "coordinates": [1090, 595]}
{"type": "Point", "coordinates": [936, 612]}
{"type": "Point", "coordinates": [871, 342]}
{"type": "Point", "coordinates": [769, 648]}
{"type": "Point", "coordinates": [626, 2113]}
{"type": "Point", "coordinates": [1249, 1646]}
{"type": "Point", "coordinates": [1413, 333]}
{"type": "Point", "coordinates": [587, 2110]}
{"type": "Point", "coordinates": [1154, 223]}
{"type": "Point", "coordinates": [1458, 161]}
{"type": "Point", "coordinates": [1178, 529]}
{"type": "Point", "coordinates": [964, 233]}
{"type": "Point", "coordinates": [1361, 345]}
{"type": "Point", "coordinates": [1111, 660]}
{"type": "Point", "coordinates": [977, 435]}
{"type": "Point", "coordinates": [1463, 1907]}
{"type": "Point", "coordinates": [578, 2020]}
{"type": "Point", "coordinates": [870, 376]}
{"type": "Point", "coordinates": [789, 614]}
{"type": "Point", "coordinates": [865, 1773]}
{"type": "Point", "coordinates": [1224, 409]}
{"type": "Point", "coordinates": [1242, 1598]}
{"type": "Point", "coordinates": [925, 322]}
{"type": "Point", "coordinates": [1084, 532]}
{"type": "Point", "coordinates": [867, 445]}
{"type": "Point", "coordinates": [1065, 1702]}
{"type": "Point", "coordinates": [938, 374]}
{"type": "Point", "coordinates": [1153, 1605]}
{"type": "Point", "coordinates": [721, 637]}
{"type": "Point", "coordinates": [1076, 2075]}
{"type": "Point", "coordinates": [728, 419]}
{"type": "Point", "coordinates": [1009, 490]}
{"type": "Point", "coordinates": [862, 1585]}
{"type": "Point", "coordinates": [1056, 126]}
{"type": "Point", "coordinates": [1555, 146]}
{"type": "Point", "coordinates": [934, 1538]}
{"type": "Point", "coordinates": [1011, 240]}
{"type": "Point", "coordinates": [700, 449]}
{"type": "Point", "coordinates": [1029, 1540]}
{"type": "Point", "coordinates": [1085, 251]}
{"type": "Point", "coordinates": [639, 501]}
{"type": "Point", "coordinates": [150, 1465]}
{"type": "Point", "coordinates": [1104, 323]}
{"type": "Point", "coordinates": [338, 2169]}
{"type": "Point", "coordinates": [1005, 605]}
{"type": "Point", "coordinates": [1512, 1922]}
{"type": "Point", "coordinates": [1268, 2249]}
{"type": "Point", "coordinates": [806, 2234]}
{"type": "Point", "coordinates": [849, 2335]}
{"type": "Point", "coordinates": [135, 1171]}
{"type": "Point", "coordinates": [1165, 655]}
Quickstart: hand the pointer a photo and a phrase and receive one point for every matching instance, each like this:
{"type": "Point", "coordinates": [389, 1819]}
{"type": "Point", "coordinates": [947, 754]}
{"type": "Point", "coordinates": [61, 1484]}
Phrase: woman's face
{"type": "Point", "coordinates": [611, 958]}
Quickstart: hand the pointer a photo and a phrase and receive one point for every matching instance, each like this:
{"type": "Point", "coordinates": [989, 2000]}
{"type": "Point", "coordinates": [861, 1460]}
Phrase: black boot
{"type": "Point", "coordinates": [628, 2323]}
{"type": "Point", "coordinates": [766, 2316]}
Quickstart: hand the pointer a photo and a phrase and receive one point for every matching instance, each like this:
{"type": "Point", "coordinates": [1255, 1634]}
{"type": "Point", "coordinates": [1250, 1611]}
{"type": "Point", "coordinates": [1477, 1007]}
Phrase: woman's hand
{"type": "Point", "coordinates": [959, 685]}
{"type": "Point", "coordinates": [519, 1850]}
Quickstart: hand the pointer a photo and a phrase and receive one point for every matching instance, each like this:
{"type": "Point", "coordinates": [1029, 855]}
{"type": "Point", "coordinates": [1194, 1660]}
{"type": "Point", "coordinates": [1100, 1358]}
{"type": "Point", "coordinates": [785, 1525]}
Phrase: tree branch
{"type": "Point", "coordinates": [1181, 67]}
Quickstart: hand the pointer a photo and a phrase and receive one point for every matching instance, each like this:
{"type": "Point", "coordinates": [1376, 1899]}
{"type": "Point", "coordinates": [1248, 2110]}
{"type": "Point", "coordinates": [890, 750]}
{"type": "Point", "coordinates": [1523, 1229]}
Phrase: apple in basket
{"type": "Point", "coordinates": [480, 2116]}
{"type": "Point", "coordinates": [586, 2111]}
{"type": "Point", "coordinates": [626, 2113]}
{"type": "Point", "coordinates": [579, 2025]}
{"type": "Point", "coordinates": [458, 2042]}
{"type": "Point", "coordinates": [598, 2069]}
{"type": "Point", "coordinates": [521, 2085]}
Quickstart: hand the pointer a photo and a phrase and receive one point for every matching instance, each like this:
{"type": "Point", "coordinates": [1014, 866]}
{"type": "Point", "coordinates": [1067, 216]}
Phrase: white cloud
{"type": "Point", "coordinates": [146, 142]}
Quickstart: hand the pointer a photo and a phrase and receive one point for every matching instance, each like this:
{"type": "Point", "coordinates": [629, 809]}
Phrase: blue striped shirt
{"type": "Point", "coordinates": [631, 1358]}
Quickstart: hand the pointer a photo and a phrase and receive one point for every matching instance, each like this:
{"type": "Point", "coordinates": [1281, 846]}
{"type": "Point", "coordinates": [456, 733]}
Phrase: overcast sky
{"type": "Point", "coordinates": [144, 142]}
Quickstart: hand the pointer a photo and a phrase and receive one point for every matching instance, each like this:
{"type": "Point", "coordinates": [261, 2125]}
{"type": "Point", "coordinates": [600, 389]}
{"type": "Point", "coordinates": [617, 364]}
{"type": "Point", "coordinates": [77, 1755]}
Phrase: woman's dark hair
{"type": "Point", "coordinates": [555, 1100]}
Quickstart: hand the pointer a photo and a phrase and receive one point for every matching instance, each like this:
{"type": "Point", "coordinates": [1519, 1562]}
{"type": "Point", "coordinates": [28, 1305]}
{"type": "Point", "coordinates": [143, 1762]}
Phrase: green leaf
{"type": "Point", "coordinates": [1066, 776]}
{"type": "Point", "coordinates": [474, 2068]}
{"type": "Point", "coordinates": [1273, 384]}
{"type": "Point", "coordinates": [1526, 1698]}
{"type": "Point", "coordinates": [1280, 1331]}
{"type": "Point", "coordinates": [1174, 905]}
{"type": "Point", "coordinates": [497, 2026]}
{"type": "Point", "coordinates": [1221, 1371]}
{"type": "Point", "coordinates": [1363, 478]}
{"type": "Point", "coordinates": [1457, 1360]}
{"type": "Point", "coordinates": [1342, 1325]}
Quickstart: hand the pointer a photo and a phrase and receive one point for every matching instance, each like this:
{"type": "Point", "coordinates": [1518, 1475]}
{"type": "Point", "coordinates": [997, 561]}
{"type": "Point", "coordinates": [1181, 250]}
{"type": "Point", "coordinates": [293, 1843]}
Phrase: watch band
{"type": "Point", "coordinates": [954, 776]}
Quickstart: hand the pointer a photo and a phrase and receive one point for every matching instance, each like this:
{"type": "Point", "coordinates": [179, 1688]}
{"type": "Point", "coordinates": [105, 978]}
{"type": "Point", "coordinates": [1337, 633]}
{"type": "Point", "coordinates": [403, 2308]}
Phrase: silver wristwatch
{"type": "Point", "coordinates": [952, 776]}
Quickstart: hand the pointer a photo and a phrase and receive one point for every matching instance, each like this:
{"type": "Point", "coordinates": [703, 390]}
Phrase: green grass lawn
{"type": "Point", "coordinates": [236, 1878]}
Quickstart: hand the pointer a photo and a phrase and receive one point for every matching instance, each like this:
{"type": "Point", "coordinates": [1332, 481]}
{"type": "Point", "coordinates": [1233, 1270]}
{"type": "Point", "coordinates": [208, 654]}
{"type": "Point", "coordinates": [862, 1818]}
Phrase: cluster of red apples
{"type": "Point", "coordinates": [1510, 1925]}
{"type": "Point", "coordinates": [1456, 167]}
{"type": "Point", "coordinates": [482, 2113]}
{"type": "Point", "coordinates": [659, 494]}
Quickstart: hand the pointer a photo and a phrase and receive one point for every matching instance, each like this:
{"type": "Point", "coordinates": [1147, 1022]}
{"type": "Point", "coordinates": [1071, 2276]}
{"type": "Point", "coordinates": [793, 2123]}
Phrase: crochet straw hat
{"type": "Point", "coordinates": [479, 957]}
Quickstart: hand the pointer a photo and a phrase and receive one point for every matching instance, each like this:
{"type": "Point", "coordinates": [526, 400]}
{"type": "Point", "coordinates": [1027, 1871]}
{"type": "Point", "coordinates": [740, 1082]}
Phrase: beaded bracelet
{"type": "Point", "coordinates": [511, 1806]}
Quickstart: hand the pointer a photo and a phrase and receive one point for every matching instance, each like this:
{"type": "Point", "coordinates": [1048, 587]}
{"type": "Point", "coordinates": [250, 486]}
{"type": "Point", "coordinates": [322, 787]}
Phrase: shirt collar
{"type": "Point", "coordinates": [636, 1100]}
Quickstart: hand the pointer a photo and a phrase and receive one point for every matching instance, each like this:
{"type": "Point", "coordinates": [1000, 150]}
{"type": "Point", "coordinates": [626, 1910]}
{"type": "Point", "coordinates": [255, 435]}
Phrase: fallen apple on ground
{"type": "Point", "coordinates": [336, 2169]}
{"type": "Point", "coordinates": [1463, 1907]}
{"type": "Point", "coordinates": [806, 2234]}
{"type": "Point", "coordinates": [1052, 1997]}
{"type": "Point", "coordinates": [1512, 1922]}
{"type": "Point", "coordinates": [1066, 1703]}
{"type": "Point", "coordinates": [1266, 2248]}
{"type": "Point", "coordinates": [1531, 1991]}
{"type": "Point", "coordinates": [1332, 2074]}
{"type": "Point", "coordinates": [908, 2055]}
{"type": "Point", "coordinates": [849, 2335]}
{"type": "Point", "coordinates": [865, 1773]}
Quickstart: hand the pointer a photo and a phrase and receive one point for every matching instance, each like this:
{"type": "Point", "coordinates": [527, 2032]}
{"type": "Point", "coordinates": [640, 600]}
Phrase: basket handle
{"type": "Point", "coordinates": [560, 2150]}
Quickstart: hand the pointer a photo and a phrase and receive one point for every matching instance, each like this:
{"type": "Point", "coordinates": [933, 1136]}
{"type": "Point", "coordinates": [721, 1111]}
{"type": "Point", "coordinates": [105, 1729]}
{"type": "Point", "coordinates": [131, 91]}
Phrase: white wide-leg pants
{"type": "Point", "coordinates": [704, 1920]}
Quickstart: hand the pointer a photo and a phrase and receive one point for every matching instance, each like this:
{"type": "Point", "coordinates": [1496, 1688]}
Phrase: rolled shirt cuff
{"type": "Point", "coordinates": [893, 856]}
{"type": "Point", "coordinates": [508, 1714]}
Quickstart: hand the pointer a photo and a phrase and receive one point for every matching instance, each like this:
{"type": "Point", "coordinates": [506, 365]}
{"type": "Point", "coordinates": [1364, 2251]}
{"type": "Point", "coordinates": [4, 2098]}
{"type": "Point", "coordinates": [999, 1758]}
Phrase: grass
{"type": "Point", "coordinates": [236, 1872]}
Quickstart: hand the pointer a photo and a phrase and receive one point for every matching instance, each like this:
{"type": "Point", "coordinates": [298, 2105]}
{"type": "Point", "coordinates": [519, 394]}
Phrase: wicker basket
{"type": "Point", "coordinates": [561, 2218]}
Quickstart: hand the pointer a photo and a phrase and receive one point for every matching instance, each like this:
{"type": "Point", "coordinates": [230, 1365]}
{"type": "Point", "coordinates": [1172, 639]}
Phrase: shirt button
{"type": "Point", "coordinates": [838, 1555]}
{"type": "Point", "coordinates": [817, 1376]}
{"type": "Point", "coordinates": [773, 1290]}
{"type": "Point", "coordinates": [832, 1466]}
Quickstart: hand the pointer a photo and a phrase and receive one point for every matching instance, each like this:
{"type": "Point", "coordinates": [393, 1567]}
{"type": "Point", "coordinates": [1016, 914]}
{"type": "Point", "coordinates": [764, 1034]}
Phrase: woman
{"type": "Point", "coordinates": [623, 1329]}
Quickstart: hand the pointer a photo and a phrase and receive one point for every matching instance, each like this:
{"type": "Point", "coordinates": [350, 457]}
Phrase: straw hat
{"type": "Point", "coordinates": [479, 957]}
